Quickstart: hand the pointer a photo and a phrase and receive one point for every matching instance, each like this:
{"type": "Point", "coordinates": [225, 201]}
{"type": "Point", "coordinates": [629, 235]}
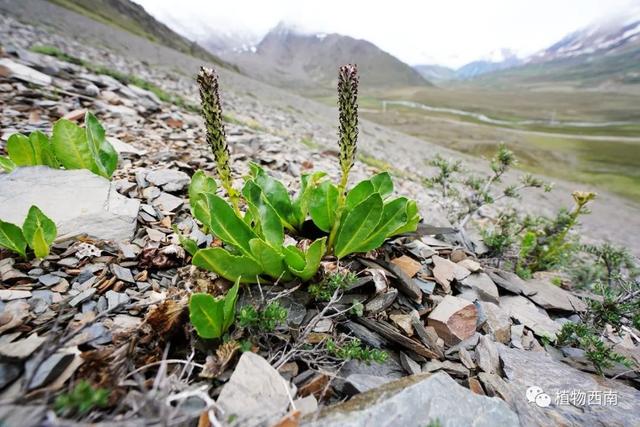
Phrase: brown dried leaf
{"type": "Point", "coordinates": [292, 419]}
{"type": "Point", "coordinates": [215, 365]}
{"type": "Point", "coordinates": [167, 317]}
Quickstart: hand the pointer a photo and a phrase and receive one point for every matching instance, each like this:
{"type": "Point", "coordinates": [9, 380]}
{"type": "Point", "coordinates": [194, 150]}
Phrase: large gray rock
{"type": "Point", "coordinates": [78, 201]}
{"type": "Point", "coordinates": [256, 393]}
{"type": "Point", "coordinates": [415, 401]}
{"type": "Point", "coordinates": [12, 69]}
{"type": "Point", "coordinates": [525, 369]}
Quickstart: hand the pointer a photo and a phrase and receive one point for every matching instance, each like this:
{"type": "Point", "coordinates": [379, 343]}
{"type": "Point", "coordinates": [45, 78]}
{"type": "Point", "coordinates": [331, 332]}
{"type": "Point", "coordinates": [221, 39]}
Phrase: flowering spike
{"type": "Point", "coordinates": [216, 137]}
{"type": "Point", "coordinates": [348, 108]}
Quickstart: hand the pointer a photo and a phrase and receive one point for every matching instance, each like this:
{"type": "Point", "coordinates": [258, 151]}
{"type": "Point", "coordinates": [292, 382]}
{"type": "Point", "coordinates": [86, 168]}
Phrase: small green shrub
{"type": "Point", "coordinates": [586, 337]}
{"type": "Point", "coordinates": [354, 350]}
{"type": "Point", "coordinates": [38, 233]}
{"type": "Point", "coordinates": [211, 316]}
{"type": "Point", "coordinates": [462, 206]}
{"type": "Point", "coordinates": [325, 289]}
{"type": "Point", "coordinates": [81, 400]}
{"type": "Point", "coordinates": [545, 243]}
{"type": "Point", "coordinates": [70, 146]}
{"type": "Point", "coordinates": [262, 319]}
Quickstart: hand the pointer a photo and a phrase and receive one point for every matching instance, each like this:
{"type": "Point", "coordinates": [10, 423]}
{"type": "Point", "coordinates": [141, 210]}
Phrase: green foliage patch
{"type": "Point", "coordinates": [38, 233]}
{"type": "Point", "coordinates": [70, 146]}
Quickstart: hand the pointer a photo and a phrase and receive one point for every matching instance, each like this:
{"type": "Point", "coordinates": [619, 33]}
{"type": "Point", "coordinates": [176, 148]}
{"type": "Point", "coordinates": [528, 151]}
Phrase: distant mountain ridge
{"type": "Point", "coordinates": [288, 56]}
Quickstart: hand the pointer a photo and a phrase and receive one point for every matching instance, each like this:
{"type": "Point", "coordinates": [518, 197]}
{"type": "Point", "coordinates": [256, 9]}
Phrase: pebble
{"type": "Point", "coordinates": [122, 273]}
{"type": "Point", "coordinates": [49, 279]}
{"type": "Point", "coordinates": [82, 296]}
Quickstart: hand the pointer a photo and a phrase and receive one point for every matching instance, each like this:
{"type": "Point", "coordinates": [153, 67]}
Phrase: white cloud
{"type": "Point", "coordinates": [448, 32]}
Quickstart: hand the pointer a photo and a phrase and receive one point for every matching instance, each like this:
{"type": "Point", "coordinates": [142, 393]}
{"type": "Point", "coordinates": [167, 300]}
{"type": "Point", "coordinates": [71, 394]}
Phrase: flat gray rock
{"type": "Point", "coordinates": [416, 401]}
{"type": "Point", "coordinates": [524, 369]}
{"type": "Point", "coordinates": [552, 297]}
{"type": "Point", "coordinates": [256, 393]}
{"type": "Point", "coordinates": [526, 313]}
{"type": "Point", "coordinates": [169, 179]}
{"type": "Point", "coordinates": [482, 285]}
{"type": "Point", "coordinates": [9, 68]}
{"type": "Point", "coordinates": [78, 201]}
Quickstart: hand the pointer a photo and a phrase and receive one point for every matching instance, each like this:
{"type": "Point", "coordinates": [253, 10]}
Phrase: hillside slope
{"type": "Point", "coordinates": [131, 17]}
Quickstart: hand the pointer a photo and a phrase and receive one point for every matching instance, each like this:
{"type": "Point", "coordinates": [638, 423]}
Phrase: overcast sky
{"type": "Point", "coordinates": [447, 32]}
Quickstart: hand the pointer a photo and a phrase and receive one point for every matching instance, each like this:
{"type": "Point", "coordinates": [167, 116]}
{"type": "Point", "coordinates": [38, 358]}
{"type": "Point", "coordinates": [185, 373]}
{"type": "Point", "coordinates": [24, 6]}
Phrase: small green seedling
{"type": "Point", "coordinates": [262, 319]}
{"type": "Point", "coordinates": [38, 233]}
{"type": "Point", "coordinates": [70, 146]}
{"type": "Point", "coordinates": [81, 400]}
{"type": "Point", "coordinates": [354, 350]}
{"type": "Point", "coordinates": [211, 316]}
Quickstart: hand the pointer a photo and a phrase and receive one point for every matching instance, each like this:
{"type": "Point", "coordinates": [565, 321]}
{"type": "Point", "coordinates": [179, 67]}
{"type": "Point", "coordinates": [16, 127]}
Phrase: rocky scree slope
{"type": "Point", "coordinates": [465, 341]}
{"type": "Point", "coordinates": [289, 116]}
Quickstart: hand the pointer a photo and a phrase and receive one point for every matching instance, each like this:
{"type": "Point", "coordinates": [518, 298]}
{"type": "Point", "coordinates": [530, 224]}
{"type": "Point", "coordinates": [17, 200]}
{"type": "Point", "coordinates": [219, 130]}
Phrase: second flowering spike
{"type": "Point", "coordinates": [348, 108]}
{"type": "Point", "coordinates": [216, 137]}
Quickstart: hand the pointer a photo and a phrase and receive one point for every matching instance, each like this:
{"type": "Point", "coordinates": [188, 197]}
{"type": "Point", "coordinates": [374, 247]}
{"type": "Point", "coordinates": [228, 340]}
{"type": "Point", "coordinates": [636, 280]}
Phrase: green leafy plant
{"type": "Point", "coordinates": [355, 221]}
{"type": "Point", "coordinates": [70, 146]}
{"type": "Point", "coordinates": [81, 400]}
{"type": "Point", "coordinates": [545, 244]}
{"type": "Point", "coordinates": [38, 233]}
{"type": "Point", "coordinates": [326, 288]}
{"type": "Point", "coordinates": [586, 337]}
{"type": "Point", "coordinates": [254, 240]}
{"type": "Point", "coordinates": [361, 219]}
{"type": "Point", "coordinates": [211, 316]}
{"type": "Point", "coordinates": [264, 319]}
{"type": "Point", "coordinates": [354, 350]}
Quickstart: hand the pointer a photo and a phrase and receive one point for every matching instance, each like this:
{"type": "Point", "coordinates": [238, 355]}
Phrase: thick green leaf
{"type": "Point", "coordinates": [227, 226]}
{"type": "Point", "coordinates": [39, 244]}
{"type": "Point", "coordinates": [270, 259]}
{"type": "Point", "coordinates": [269, 223]}
{"type": "Point", "coordinates": [362, 191]}
{"type": "Point", "coordinates": [294, 257]}
{"type": "Point", "coordinates": [104, 155]}
{"type": "Point", "coordinates": [6, 164]}
{"type": "Point", "coordinates": [39, 231]}
{"type": "Point", "coordinates": [231, 267]}
{"type": "Point", "coordinates": [43, 150]}
{"type": "Point", "coordinates": [358, 224]}
{"type": "Point", "coordinates": [35, 150]}
{"type": "Point", "coordinates": [207, 315]}
{"type": "Point", "coordinates": [201, 184]}
{"type": "Point", "coordinates": [229, 308]}
{"type": "Point", "coordinates": [394, 215]}
{"type": "Point", "coordinates": [11, 238]}
{"type": "Point", "coordinates": [301, 202]}
{"type": "Point", "coordinates": [323, 202]}
{"type": "Point", "coordinates": [70, 146]}
{"type": "Point", "coordinates": [211, 316]}
{"type": "Point", "coordinates": [383, 184]}
{"type": "Point", "coordinates": [411, 224]}
{"type": "Point", "coordinates": [20, 150]}
{"type": "Point", "coordinates": [312, 258]}
{"type": "Point", "coordinates": [278, 197]}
